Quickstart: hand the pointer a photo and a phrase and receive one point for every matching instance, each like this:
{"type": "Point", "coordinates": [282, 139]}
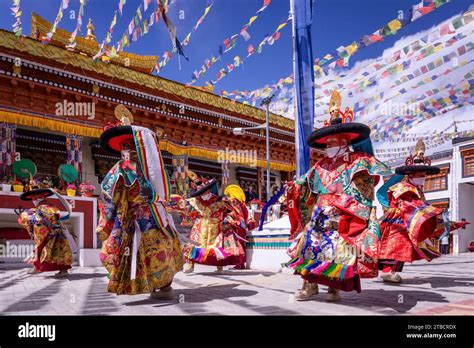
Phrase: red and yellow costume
{"type": "Point", "coordinates": [52, 251]}
{"type": "Point", "coordinates": [410, 227]}
{"type": "Point", "coordinates": [141, 248]}
{"type": "Point", "coordinates": [216, 232]}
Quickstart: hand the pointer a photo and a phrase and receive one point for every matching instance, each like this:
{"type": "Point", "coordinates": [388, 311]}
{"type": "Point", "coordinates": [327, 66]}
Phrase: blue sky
{"type": "Point", "coordinates": [336, 23]}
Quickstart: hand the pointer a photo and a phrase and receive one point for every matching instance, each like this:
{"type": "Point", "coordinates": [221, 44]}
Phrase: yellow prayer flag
{"type": "Point", "coordinates": [282, 25]}
{"type": "Point", "coordinates": [352, 48]}
{"type": "Point", "coordinates": [394, 25]}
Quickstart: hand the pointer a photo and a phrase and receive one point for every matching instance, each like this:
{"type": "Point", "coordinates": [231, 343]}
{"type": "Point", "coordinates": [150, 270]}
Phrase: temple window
{"type": "Point", "coordinates": [467, 162]}
{"type": "Point", "coordinates": [437, 182]}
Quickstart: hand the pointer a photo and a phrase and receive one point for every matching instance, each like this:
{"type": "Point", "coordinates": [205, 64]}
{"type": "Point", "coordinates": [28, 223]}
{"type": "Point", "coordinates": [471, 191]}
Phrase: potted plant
{"type": "Point", "coordinates": [71, 190]}
{"type": "Point", "coordinates": [18, 186]}
{"type": "Point", "coordinates": [6, 186]}
{"type": "Point", "coordinates": [86, 189]}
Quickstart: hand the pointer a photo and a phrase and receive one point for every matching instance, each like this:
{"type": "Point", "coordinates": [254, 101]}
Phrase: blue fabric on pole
{"type": "Point", "coordinates": [382, 193]}
{"type": "Point", "coordinates": [304, 79]}
{"type": "Point", "coordinates": [272, 201]}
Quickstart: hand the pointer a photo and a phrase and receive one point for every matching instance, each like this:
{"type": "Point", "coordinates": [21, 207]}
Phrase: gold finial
{"type": "Point", "coordinates": [336, 115]}
{"type": "Point", "coordinates": [420, 149]}
{"type": "Point", "coordinates": [419, 157]}
{"type": "Point", "coordinates": [335, 104]}
{"type": "Point", "coordinates": [90, 31]}
{"type": "Point", "coordinates": [123, 115]}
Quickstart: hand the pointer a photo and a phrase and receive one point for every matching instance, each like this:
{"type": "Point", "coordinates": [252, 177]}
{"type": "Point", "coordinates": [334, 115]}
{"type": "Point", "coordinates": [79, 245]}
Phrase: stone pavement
{"type": "Point", "coordinates": [442, 287]}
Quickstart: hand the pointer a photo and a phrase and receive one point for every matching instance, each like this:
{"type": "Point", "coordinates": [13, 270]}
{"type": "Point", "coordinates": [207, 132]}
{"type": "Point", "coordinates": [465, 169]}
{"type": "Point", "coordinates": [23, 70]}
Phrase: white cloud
{"type": "Point", "coordinates": [420, 125]}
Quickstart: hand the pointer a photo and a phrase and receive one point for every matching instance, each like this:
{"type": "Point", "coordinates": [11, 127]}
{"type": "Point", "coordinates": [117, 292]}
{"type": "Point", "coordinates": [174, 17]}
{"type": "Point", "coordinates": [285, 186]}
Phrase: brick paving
{"type": "Point", "coordinates": [442, 287]}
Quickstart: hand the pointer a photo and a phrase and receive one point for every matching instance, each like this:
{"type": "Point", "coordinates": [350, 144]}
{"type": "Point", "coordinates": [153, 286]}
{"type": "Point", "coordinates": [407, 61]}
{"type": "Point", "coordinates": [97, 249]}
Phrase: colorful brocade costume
{"type": "Point", "coordinates": [410, 227]}
{"type": "Point", "coordinates": [222, 223]}
{"type": "Point", "coordinates": [141, 248]}
{"type": "Point", "coordinates": [125, 210]}
{"type": "Point", "coordinates": [52, 250]}
{"type": "Point", "coordinates": [335, 199]}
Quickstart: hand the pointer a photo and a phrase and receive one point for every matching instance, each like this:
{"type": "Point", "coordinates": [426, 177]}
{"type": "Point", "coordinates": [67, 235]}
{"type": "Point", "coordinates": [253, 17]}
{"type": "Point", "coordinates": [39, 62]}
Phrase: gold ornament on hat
{"type": "Point", "coordinates": [419, 157]}
{"type": "Point", "coordinates": [123, 115]}
{"type": "Point", "coordinates": [193, 176]}
{"type": "Point", "coordinates": [336, 115]}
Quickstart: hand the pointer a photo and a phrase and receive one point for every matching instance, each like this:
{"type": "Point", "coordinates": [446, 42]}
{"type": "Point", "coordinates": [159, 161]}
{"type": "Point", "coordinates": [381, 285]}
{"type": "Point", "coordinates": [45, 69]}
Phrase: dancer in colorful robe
{"type": "Point", "coordinates": [140, 250]}
{"type": "Point", "coordinates": [338, 244]}
{"type": "Point", "coordinates": [238, 218]}
{"type": "Point", "coordinates": [52, 240]}
{"type": "Point", "coordinates": [217, 230]}
{"type": "Point", "coordinates": [410, 227]}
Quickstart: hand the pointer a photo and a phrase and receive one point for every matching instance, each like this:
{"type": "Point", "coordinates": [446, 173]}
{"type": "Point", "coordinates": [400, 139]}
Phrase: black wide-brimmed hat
{"type": "Point", "coordinates": [28, 196]}
{"type": "Point", "coordinates": [352, 132]}
{"type": "Point", "coordinates": [408, 170]}
{"type": "Point", "coordinates": [114, 136]}
{"type": "Point", "coordinates": [340, 126]}
{"type": "Point", "coordinates": [418, 163]}
{"type": "Point", "coordinates": [201, 190]}
{"type": "Point", "coordinates": [112, 139]}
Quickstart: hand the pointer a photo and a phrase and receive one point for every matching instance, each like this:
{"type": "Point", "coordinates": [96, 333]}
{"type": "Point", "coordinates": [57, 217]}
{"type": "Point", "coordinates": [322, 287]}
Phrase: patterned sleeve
{"type": "Point", "coordinates": [27, 221]}
{"type": "Point", "coordinates": [110, 208]}
{"type": "Point", "coordinates": [26, 218]}
{"type": "Point", "coordinates": [371, 166]}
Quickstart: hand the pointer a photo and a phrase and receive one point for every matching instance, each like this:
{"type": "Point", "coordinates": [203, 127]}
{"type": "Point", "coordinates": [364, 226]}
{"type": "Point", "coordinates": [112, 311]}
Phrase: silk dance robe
{"type": "Point", "coordinates": [218, 233]}
{"type": "Point", "coordinates": [411, 227]}
{"type": "Point", "coordinates": [52, 251]}
{"type": "Point", "coordinates": [339, 243]}
{"type": "Point", "coordinates": [138, 251]}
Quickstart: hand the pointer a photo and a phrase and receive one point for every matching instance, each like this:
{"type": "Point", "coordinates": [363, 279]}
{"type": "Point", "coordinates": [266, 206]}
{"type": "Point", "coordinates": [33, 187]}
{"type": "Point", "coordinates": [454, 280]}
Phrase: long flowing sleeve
{"type": "Point", "coordinates": [108, 207]}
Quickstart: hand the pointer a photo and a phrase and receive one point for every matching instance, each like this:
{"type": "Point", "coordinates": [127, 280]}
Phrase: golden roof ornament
{"type": "Point", "coordinates": [419, 157]}
{"type": "Point", "coordinates": [124, 115]}
{"type": "Point", "coordinates": [90, 31]}
{"type": "Point", "coordinates": [336, 115]}
{"type": "Point", "coordinates": [159, 132]}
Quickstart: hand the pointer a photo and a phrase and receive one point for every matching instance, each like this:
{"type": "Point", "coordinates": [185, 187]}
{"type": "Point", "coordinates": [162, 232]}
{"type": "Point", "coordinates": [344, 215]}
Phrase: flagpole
{"type": "Point", "coordinates": [295, 109]}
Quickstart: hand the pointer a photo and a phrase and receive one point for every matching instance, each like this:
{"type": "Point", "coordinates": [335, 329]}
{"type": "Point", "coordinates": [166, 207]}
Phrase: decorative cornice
{"type": "Point", "coordinates": [95, 132]}
{"type": "Point", "coordinates": [136, 62]}
{"type": "Point", "coordinates": [9, 41]}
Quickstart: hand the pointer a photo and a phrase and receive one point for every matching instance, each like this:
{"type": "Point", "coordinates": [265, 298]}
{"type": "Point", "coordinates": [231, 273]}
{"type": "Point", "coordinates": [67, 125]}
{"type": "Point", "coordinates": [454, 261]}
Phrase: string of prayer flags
{"type": "Point", "coordinates": [108, 36]}
{"type": "Point", "coordinates": [185, 42]}
{"type": "Point", "coordinates": [72, 40]}
{"type": "Point", "coordinates": [229, 44]}
{"type": "Point", "coordinates": [16, 12]}
{"type": "Point", "coordinates": [64, 5]}
{"type": "Point", "coordinates": [251, 50]}
{"type": "Point", "coordinates": [139, 25]}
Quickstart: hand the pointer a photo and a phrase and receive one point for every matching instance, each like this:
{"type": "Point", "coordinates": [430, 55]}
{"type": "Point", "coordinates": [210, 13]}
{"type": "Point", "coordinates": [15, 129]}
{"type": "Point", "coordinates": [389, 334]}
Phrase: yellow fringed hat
{"type": "Point", "coordinates": [235, 191]}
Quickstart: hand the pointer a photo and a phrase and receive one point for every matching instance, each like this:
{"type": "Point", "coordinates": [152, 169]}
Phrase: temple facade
{"type": "Point", "coordinates": [54, 103]}
{"type": "Point", "coordinates": [51, 93]}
